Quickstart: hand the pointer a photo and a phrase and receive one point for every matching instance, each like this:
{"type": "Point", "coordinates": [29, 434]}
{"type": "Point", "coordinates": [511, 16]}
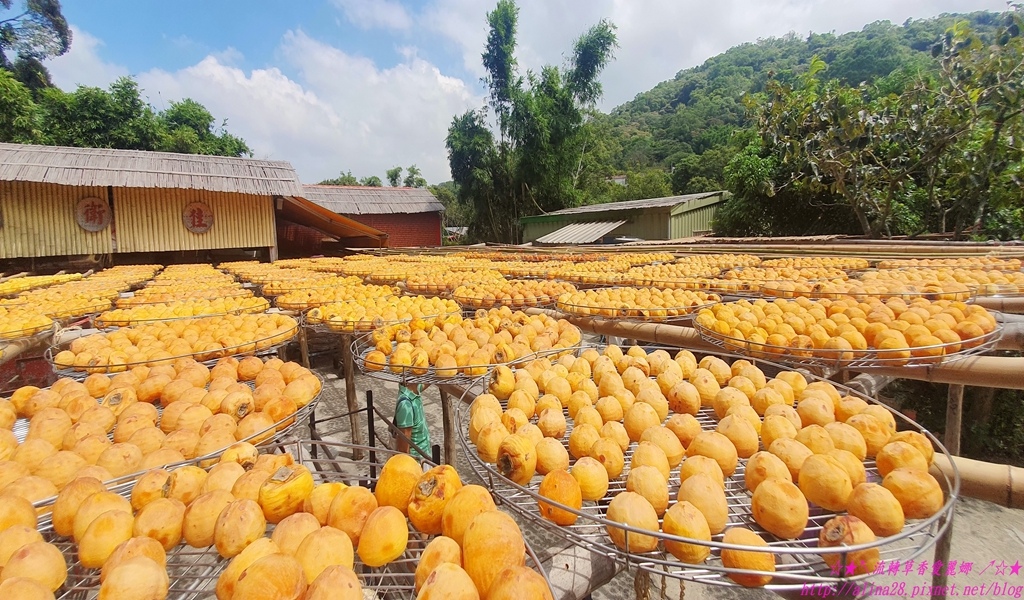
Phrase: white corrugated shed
{"type": "Point", "coordinates": [580, 233]}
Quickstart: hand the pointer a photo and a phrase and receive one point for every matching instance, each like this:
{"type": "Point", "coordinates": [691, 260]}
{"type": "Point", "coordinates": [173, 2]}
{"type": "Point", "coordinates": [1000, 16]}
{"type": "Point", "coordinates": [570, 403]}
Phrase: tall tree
{"type": "Point", "coordinates": [413, 178]}
{"type": "Point", "coordinates": [371, 181]}
{"type": "Point", "coordinates": [35, 28]}
{"type": "Point", "coordinates": [538, 159]}
{"type": "Point", "coordinates": [394, 176]}
{"type": "Point", "coordinates": [17, 111]}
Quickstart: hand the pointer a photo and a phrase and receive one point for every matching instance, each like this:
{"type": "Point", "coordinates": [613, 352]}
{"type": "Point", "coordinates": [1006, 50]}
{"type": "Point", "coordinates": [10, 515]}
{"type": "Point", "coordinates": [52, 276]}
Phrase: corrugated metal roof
{"type": "Point", "coordinates": [579, 233]}
{"type": "Point", "coordinates": [633, 204]}
{"type": "Point", "coordinates": [364, 200]}
{"type": "Point", "coordinates": [64, 165]}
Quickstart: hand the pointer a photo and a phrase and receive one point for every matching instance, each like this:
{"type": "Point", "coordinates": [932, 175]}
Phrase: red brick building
{"type": "Point", "coordinates": [410, 216]}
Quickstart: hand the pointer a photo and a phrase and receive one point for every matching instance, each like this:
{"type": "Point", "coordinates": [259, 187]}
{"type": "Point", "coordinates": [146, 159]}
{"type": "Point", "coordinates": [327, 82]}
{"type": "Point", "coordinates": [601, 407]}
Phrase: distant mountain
{"type": "Point", "coordinates": [693, 124]}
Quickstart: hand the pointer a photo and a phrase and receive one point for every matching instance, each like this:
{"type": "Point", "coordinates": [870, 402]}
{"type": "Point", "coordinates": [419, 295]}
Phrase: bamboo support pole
{"type": "Point", "coordinates": [999, 484]}
{"type": "Point", "coordinates": [869, 384]}
{"type": "Point", "coordinates": [1004, 305]}
{"type": "Point", "coordinates": [1006, 372]}
{"type": "Point", "coordinates": [11, 350]}
{"type": "Point", "coordinates": [15, 276]}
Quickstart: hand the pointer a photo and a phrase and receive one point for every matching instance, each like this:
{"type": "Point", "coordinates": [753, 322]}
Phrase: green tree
{"type": "Point", "coordinates": [95, 118]}
{"type": "Point", "coordinates": [371, 181]}
{"type": "Point", "coordinates": [30, 71]}
{"type": "Point", "coordinates": [701, 109]}
{"type": "Point", "coordinates": [538, 160]}
{"type": "Point", "coordinates": [346, 178]}
{"type": "Point", "coordinates": [190, 130]}
{"type": "Point", "coordinates": [649, 183]}
{"type": "Point", "coordinates": [394, 176]}
{"type": "Point", "coordinates": [36, 29]}
{"type": "Point", "coordinates": [456, 213]}
{"type": "Point", "coordinates": [909, 155]}
{"type": "Point", "coordinates": [413, 178]}
{"type": "Point", "coordinates": [982, 98]}
{"type": "Point", "coordinates": [17, 111]}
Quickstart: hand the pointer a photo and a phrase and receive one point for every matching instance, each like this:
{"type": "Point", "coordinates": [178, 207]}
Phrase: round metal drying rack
{"type": "Point", "coordinates": [193, 572]}
{"type": "Point", "coordinates": [798, 562]}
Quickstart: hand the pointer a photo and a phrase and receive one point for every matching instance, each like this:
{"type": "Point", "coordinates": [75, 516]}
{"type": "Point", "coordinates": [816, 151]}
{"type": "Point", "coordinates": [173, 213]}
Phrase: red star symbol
{"type": "Point", "coordinates": [1015, 568]}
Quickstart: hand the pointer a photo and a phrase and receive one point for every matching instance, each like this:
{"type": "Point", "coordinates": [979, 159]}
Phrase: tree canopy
{"type": "Point", "coordinates": [533, 156]}
{"type": "Point", "coordinates": [932, 152]}
{"type": "Point", "coordinates": [33, 29]}
{"type": "Point", "coordinates": [117, 117]}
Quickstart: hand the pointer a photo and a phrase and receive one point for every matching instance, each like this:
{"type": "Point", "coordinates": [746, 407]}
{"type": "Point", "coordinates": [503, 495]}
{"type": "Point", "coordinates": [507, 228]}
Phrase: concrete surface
{"type": "Point", "coordinates": [984, 534]}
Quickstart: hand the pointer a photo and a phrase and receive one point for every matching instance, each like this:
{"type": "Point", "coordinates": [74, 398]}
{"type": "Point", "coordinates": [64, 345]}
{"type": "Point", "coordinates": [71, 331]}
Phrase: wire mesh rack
{"type": "Point", "coordinates": [430, 374]}
{"type": "Point", "coordinates": [234, 291]}
{"type": "Point", "coordinates": [193, 572]}
{"type": "Point", "coordinates": [106, 322]}
{"type": "Point", "coordinates": [711, 285]}
{"type": "Point", "coordinates": [849, 289]}
{"type": "Point", "coordinates": [362, 326]}
{"type": "Point", "coordinates": [650, 314]}
{"type": "Point", "coordinates": [29, 334]}
{"type": "Point", "coordinates": [984, 262]}
{"type": "Point", "coordinates": [815, 358]}
{"type": "Point", "coordinates": [999, 290]}
{"type": "Point", "coordinates": [259, 347]}
{"type": "Point", "coordinates": [797, 562]}
{"type": "Point", "coordinates": [284, 428]}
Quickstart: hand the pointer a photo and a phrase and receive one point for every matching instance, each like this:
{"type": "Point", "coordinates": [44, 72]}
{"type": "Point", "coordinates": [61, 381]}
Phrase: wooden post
{"type": "Point", "coordinates": [954, 410]}
{"type": "Point", "coordinates": [304, 346]}
{"type": "Point", "coordinates": [448, 419]}
{"type": "Point", "coordinates": [350, 394]}
{"type": "Point", "coordinates": [942, 549]}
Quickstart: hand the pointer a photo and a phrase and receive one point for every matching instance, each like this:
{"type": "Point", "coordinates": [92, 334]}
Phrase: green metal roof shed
{"type": "Point", "coordinates": [651, 219]}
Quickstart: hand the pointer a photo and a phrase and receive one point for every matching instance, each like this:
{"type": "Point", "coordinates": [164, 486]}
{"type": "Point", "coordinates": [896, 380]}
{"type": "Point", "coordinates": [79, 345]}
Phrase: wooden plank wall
{"type": "Point", "coordinates": [149, 220]}
{"type": "Point", "coordinates": [39, 220]}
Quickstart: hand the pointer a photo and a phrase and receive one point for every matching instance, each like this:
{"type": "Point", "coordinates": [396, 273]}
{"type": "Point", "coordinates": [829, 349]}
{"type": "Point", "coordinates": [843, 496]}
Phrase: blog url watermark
{"type": "Point", "coordinates": [996, 589]}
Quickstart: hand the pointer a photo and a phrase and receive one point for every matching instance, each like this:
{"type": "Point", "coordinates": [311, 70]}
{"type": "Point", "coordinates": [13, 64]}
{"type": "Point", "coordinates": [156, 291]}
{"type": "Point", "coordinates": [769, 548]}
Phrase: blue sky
{"type": "Point", "coordinates": [365, 85]}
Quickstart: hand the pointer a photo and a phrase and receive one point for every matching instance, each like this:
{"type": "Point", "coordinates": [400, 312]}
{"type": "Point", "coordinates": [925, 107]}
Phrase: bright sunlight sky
{"type": "Point", "coordinates": [365, 85]}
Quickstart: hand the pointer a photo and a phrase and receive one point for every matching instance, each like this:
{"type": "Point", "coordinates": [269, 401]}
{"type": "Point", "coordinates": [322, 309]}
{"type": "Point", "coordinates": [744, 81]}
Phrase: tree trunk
{"type": "Point", "coordinates": [862, 218]}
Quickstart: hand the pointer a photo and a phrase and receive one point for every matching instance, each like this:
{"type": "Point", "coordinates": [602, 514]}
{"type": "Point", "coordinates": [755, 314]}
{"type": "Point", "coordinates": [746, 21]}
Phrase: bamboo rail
{"type": "Point", "coordinates": [999, 484]}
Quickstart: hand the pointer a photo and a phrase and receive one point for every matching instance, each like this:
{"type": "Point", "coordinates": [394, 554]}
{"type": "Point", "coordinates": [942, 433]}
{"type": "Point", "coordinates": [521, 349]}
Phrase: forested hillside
{"type": "Point", "coordinates": [692, 125]}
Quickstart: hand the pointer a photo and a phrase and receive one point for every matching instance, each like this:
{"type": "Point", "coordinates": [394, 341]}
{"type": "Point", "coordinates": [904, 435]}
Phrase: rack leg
{"type": "Point", "coordinates": [954, 411]}
{"type": "Point", "coordinates": [449, 427]}
{"type": "Point", "coordinates": [304, 346]}
{"type": "Point", "coordinates": [942, 548]}
{"type": "Point", "coordinates": [350, 394]}
{"type": "Point", "coordinates": [372, 430]}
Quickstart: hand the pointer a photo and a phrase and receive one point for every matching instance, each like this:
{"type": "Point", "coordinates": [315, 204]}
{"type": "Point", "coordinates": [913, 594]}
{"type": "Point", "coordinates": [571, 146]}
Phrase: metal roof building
{"type": "Point", "coordinates": [410, 216]}
{"type": "Point", "coordinates": [650, 219]}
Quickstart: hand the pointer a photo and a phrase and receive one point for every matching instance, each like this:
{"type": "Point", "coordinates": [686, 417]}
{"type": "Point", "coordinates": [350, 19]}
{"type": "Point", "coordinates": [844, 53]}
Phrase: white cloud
{"type": "Point", "coordinates": [338, 110]}
{"type": "Point", "coordinates": [82, 64]}
{"type": "Point", "coordinates": [658, 38]}
{"type": "Point", "coordinates": [341, 112]}
{"type": "Point", "coordinates": [372, 14]}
